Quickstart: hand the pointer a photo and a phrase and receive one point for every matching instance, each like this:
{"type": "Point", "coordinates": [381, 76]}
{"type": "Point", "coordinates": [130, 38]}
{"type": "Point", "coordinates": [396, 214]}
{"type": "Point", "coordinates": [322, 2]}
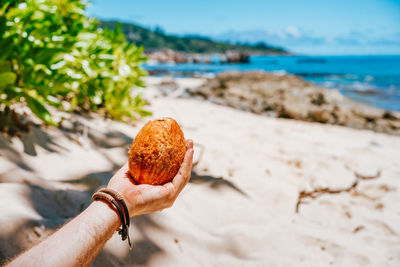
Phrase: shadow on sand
{"type": "Point", "coordinates": [216, 183]}
{"type": "Point", "coordinates": [56, 207]}
{"type": "Point", "coordinates": [48, 139]}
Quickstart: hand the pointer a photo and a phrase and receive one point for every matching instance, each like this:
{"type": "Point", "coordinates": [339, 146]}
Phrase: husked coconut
{"type": "Point", "coordinates": [157, 152]}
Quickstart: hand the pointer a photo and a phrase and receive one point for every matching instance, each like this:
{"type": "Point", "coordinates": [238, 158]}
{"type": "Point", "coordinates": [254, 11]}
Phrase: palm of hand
{"type": "Point", "coordinates": [144, 198]}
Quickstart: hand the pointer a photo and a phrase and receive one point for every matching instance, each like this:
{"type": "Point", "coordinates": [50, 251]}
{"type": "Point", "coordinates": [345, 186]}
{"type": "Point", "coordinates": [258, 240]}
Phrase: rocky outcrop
{"type": "Point", "coordinates": [171, 56]}
{"type": "Point", "coordinates": [168, 55]}
{"type": "Point", "coordinates": [289, 96]}
{"type": "Point", "coordinates": [235, 57]}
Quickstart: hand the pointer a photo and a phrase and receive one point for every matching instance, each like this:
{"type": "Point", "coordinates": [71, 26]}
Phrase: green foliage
{"type": "Point", "coordinates": [53, 55]}
{"type": "Point", "coordinates": [157, 39]}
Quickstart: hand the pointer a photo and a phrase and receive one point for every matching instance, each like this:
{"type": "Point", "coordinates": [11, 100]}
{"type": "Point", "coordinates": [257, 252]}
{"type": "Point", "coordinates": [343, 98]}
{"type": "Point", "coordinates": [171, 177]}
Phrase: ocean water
{"type": "Point", "coordinates": [374, 80]}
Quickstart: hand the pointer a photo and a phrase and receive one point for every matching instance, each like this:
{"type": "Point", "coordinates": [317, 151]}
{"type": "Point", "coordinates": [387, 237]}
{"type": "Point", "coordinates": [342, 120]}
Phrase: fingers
{"type": "Point", "coordinates": [189, 144]}
{"type": "Point", "coordinates": [183, 175]}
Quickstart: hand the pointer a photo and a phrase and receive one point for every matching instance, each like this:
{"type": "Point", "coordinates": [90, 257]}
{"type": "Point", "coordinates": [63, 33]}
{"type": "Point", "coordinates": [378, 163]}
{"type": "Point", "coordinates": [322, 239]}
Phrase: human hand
{"type": "Point", "coordinates": [143, 198]}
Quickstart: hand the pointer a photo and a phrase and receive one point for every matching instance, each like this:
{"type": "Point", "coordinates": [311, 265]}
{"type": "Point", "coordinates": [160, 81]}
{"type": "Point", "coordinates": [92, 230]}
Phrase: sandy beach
{"type": "Point", "coordinates": [264, 191]}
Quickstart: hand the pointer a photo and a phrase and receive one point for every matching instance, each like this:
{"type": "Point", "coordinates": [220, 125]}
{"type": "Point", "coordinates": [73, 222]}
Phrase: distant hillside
{"type": "Point", "coordinates": [157, 39]}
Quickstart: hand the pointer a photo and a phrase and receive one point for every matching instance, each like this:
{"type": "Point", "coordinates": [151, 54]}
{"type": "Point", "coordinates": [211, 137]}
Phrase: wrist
{"type": "Point", "coordinates": [106, 213]}
{"type": "Point", "coordinates": [128, 198]}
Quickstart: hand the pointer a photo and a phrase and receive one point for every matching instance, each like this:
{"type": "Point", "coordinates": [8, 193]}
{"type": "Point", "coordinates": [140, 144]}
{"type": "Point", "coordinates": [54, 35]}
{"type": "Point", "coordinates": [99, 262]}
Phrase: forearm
{"type": "Point", "coordinates": [77, 243]}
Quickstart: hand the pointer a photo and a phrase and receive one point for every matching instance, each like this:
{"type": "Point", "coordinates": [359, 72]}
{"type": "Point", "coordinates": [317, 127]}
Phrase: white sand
{"type": "Point", "coordinates": [238, 210]}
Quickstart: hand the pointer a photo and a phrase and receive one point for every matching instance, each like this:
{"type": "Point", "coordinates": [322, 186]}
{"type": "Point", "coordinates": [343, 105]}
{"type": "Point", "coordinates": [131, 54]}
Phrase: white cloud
{"type": "Point", "coordinates": [293, 31]}
{"type": "Point", "coordinates": [298, 40]}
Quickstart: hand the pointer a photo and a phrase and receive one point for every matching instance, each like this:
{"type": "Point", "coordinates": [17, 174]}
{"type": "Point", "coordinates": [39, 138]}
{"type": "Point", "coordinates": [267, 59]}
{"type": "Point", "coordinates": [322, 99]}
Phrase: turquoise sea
{"type": "Point", "coordinates": [370, 79]}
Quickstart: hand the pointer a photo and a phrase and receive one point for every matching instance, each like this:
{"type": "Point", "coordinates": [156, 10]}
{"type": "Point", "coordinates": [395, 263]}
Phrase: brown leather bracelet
{"type": "Point", "coordinates": [115, 194]}
{"type": "Point", "coordinates": [115, 199]}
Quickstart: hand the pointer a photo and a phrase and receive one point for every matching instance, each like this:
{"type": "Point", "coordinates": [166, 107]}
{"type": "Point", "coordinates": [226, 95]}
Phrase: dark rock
{"type": "Point", "coordinates": [318, 99]}
{"type": "Point", "coordinates": [237, 57]}
{"type": "Point", "coordinates": [389, 115]}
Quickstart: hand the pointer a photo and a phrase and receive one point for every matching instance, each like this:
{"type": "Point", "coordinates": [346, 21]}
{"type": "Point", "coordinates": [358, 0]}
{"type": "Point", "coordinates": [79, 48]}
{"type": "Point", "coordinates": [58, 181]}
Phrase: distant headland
{"type": "Point", "coordinates": [162, 47]}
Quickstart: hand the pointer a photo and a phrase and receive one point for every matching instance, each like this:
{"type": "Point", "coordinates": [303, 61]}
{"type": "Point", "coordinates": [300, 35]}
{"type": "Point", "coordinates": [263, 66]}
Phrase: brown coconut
{"type": "Point", "coordinates": [157, 152]}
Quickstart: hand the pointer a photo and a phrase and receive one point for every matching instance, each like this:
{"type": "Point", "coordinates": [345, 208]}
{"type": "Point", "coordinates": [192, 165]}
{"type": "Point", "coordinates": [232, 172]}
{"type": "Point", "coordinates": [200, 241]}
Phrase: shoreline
{"type": "Point", "coordinates": [361, 78]}
{"type": "Point", "coordinates": [355, 94]}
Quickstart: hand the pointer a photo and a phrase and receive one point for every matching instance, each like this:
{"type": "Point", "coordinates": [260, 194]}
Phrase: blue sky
{"type": "Point", "coordinates": [308, 26]}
